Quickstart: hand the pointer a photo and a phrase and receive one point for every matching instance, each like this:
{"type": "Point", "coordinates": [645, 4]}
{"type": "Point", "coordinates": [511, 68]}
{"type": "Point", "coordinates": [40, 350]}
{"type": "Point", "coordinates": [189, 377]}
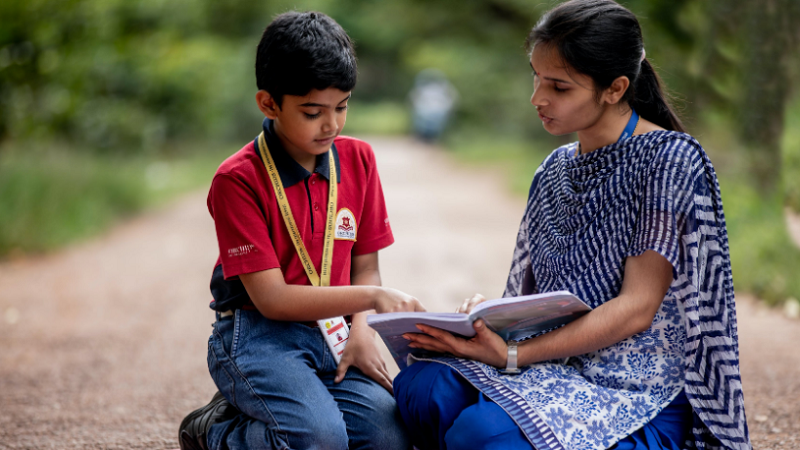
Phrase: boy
{"type": "Point", "coordinates": [300, 217]}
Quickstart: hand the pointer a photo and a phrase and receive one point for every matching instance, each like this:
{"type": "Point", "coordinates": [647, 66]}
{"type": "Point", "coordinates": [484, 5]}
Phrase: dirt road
{"type": "Point", "coordinates": [102, 346]}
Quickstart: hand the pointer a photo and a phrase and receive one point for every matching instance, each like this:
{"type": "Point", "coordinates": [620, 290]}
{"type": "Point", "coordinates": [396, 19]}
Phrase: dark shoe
{"type": "Point", "coordinates": [194, 428]}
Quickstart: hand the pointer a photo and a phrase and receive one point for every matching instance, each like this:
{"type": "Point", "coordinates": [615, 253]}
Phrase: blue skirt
{"type": "Point", "coordinates": [442, 410]}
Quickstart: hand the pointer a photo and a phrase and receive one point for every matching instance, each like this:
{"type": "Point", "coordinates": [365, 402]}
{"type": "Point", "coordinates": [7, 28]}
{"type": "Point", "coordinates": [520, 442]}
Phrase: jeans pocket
{"type": "Point", "coordinates": [216, 367]}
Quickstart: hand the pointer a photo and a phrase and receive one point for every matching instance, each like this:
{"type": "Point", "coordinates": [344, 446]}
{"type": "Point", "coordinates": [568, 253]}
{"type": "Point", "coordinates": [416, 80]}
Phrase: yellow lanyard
{"type": "Point", "coordinates": [324, 279]}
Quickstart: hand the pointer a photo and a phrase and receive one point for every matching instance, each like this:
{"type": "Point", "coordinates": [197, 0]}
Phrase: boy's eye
{"type": "Point", "coordinates": [312, 116]}
{"type": "Point", "coordinates": [341, 108]}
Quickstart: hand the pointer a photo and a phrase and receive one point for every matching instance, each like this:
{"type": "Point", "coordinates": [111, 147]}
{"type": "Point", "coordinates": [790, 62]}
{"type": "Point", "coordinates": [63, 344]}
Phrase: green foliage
{"type": "Point", "coordinates": [791, 155]}
{"type": "Point", "coordinates": [50, 197]}
{"type": "Point", "coordinates": [763, 258]}
{"type": "Point", "coordinates": [388, 118]}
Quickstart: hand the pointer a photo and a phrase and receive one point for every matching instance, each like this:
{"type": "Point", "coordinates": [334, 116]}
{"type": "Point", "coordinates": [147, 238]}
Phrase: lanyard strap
{"type": "Point", "coordinates": [630, 127]}
{"type": "Point", "coordinates": [626, 133]}
{"type": "Point", "coordinates": [324, 277]}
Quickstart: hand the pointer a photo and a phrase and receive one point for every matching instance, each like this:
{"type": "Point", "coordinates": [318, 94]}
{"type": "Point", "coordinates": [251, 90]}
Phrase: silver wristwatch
{"type": "Point", "coordinates": [511, 362]}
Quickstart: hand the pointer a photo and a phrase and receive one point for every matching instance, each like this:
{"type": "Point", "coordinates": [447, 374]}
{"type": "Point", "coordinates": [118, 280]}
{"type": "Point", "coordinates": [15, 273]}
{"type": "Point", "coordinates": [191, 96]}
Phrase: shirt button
{"type": "Point", "coordinates": [316, 206]}
{"type": "Point", "coordinates": [313, 181]}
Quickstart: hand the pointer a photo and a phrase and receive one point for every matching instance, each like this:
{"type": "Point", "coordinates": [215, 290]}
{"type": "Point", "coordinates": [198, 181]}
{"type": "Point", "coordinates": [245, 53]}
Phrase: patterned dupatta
{"type": "Point", "coordinates": [656, 191]}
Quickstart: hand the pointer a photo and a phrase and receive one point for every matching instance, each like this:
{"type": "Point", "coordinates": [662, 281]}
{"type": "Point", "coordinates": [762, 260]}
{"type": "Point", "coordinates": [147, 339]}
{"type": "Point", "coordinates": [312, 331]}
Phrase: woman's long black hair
{"type": "Point", "coordinates": [602, 39]}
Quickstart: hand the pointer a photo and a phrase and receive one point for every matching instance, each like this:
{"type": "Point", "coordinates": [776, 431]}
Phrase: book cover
{"type": "Point", "coordinates": [513, 318]}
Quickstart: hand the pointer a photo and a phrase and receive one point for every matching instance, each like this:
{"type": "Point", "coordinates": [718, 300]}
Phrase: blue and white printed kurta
{"type": "Point", "coordinates": [586, 214]}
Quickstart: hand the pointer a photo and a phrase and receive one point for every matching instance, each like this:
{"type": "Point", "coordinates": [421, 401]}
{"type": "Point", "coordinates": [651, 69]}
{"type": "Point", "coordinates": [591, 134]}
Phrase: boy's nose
{"type": "Point", "coordinates": [329, 123]}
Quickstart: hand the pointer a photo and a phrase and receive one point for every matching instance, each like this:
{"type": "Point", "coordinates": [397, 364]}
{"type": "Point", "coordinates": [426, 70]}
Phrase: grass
{"type": "Point", "coordinates": [52, 197]}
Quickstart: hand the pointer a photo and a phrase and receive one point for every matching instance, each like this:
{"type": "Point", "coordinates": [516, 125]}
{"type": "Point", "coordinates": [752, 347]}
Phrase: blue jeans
{"type": "Point", "coordinates": [280, 376]}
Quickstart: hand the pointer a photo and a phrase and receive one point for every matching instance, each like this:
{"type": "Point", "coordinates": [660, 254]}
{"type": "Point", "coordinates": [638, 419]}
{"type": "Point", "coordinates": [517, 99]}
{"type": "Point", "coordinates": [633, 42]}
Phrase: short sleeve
{"type": "Point", "coordinates": [241, 225]}
{"type": "Point", "coordinates": [666, 201]}
{"type": "Point", "coordinates": [374, 231]}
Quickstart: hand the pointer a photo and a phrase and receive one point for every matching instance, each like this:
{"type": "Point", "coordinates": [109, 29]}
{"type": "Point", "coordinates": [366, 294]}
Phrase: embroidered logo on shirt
{"type": "Point", "coordinates": [241, 250]}
{"type": "Point", "coordinates": [345, 225]}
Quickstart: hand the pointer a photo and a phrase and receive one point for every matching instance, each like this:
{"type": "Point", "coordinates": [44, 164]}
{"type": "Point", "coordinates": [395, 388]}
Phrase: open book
{"type": "Point", "coordinates": [513, 318]}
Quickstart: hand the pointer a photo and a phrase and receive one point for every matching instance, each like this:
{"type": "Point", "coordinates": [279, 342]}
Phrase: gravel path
{"type": "Point", "coordinates": [102, 345]}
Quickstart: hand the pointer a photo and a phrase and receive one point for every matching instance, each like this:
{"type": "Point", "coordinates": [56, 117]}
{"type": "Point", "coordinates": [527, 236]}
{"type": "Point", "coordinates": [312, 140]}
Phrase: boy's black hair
{"type": "Point", "coordinates": [603, 39]}
{"type": "Point", "coordinates": [299, 52]}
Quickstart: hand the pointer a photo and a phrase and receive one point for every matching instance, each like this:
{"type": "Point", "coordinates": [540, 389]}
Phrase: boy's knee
{"type": "Point", "coordinates": [383, 428]}
{"type": "Point", "coordinates": [321, 433]}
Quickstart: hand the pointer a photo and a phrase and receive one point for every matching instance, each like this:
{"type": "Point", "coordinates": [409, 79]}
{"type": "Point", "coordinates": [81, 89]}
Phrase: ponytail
{"type": "Point", "coordinates": [603, 40]}
{"type": "Point", "coordinates": [650, 101]}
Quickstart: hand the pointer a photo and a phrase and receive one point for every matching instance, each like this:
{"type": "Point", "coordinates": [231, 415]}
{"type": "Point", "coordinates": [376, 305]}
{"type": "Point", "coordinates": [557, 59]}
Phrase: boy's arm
{"type": "Point", "coordinates": [361, 350]}
{"type": "Point", "coordinates": [280, 301]}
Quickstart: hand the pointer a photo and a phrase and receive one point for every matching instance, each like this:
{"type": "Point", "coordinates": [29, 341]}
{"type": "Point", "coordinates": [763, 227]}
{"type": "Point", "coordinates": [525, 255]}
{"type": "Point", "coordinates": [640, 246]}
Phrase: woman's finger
{"type": "Point", "coordinates": [429, 343]}
{"type": "Point", "coordinates": [423, 339]}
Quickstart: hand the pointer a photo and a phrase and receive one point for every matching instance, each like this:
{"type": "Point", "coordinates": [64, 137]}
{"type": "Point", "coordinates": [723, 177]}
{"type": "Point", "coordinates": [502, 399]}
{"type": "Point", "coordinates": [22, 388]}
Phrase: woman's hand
{"type": "Point", "coordinates": [362, 352]}
{"type": "Point", "coordinates": [486, 346]}
{"type": "Point", "coordinates": [470, 303]}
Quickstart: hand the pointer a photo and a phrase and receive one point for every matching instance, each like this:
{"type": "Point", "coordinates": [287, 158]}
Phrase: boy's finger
{"type": "Point", "coordinates": [341, 371]}
{"type": "Point", "coordinates": [387, 384]}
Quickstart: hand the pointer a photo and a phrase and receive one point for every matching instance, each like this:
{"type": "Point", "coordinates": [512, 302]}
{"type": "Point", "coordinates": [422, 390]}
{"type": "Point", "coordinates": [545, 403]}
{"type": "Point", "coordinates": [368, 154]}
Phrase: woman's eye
{"type": "Point", "coordinates": [558, 89]}
{"type": "Point", "coordinates": [312, 116]}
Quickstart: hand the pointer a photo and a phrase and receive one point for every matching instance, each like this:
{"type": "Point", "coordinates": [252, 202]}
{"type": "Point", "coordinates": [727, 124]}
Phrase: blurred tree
{"type": "Point", "coordinates": [770, 32]}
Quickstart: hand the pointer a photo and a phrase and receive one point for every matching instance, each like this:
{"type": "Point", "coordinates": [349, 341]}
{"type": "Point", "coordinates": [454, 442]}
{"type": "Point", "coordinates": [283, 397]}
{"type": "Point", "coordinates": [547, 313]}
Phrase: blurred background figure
{"type": "Point", "coordinates": [432, 101]}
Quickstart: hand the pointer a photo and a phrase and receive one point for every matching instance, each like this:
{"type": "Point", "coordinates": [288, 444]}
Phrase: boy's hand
{"type": "Point", "coordinates": [392, 300]}
{"type": "Point", "coordinates": [362, 352]}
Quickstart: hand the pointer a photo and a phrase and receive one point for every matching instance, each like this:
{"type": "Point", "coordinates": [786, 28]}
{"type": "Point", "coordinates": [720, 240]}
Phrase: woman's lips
{"type": "Point", "coordinates": [544, 118]}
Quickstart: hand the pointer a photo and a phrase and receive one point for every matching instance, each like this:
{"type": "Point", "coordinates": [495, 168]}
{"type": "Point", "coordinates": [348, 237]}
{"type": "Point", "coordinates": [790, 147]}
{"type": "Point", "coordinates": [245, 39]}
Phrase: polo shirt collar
{"type": "Point", "coordinates": [290, 171]}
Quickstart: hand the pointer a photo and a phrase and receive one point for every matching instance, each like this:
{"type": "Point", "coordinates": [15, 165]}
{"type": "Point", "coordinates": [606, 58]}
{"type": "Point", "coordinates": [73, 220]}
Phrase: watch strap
{"type": "Point", "coordinates": [511, 361]}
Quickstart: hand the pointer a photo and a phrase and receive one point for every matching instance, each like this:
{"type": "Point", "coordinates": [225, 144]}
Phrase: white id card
{"type": "Point", "coordinates": [336, 333]}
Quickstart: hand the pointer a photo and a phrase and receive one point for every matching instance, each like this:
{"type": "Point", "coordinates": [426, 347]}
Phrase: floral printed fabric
{"type": "Point", "coordinates": [585, 215]}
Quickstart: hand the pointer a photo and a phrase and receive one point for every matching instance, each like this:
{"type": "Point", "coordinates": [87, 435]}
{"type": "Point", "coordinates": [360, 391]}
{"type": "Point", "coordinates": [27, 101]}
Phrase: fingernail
{"type": "Point", "coordinates": [406, 337]}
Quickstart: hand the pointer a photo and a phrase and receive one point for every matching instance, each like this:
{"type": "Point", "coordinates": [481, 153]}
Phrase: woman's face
{"type": "Point", "coordinates": [563, 98]}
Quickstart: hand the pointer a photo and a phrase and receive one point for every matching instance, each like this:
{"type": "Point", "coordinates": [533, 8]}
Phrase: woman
{"type": "Point", "coordinates": [630, 219]}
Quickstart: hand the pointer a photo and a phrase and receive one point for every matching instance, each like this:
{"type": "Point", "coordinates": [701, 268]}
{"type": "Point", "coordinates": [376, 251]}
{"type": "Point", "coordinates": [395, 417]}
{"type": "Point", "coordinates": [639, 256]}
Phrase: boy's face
{"type": "Point", "coordinates": [307, 125]}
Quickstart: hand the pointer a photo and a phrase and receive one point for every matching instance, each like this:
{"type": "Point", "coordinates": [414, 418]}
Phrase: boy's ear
{"type": "Point", "coordinates": [613, 94]}
{"type": "Point", "coordinates": [267, 104]}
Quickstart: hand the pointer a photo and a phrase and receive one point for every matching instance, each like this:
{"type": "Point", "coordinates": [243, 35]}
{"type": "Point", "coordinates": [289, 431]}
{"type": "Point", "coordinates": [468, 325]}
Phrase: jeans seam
{"type": "Point", "coordinates": [237, 318]}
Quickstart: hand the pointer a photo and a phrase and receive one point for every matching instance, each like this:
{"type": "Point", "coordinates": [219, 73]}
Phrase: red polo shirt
{"type": "Point", "coordinates": [250, 229]}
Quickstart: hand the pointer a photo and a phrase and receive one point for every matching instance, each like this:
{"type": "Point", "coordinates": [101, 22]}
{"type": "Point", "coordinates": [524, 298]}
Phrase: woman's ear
{"type": "Point", "coordinates": [267, 104]}
{"type": "Point", "coordinates": [614, 93]}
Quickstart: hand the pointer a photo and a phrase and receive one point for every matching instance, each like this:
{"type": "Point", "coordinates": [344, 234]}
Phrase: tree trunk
{"type": "Point", "coordinates": [769, 42]}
